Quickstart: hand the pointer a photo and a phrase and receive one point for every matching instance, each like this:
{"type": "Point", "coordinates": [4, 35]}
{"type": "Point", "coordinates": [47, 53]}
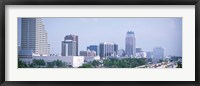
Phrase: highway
{"type": "Point", "coordinates": [159, 65]}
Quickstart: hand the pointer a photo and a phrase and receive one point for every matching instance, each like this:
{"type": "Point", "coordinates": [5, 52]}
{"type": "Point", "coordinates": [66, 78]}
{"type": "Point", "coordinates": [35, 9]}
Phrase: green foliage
{"type": "Point", "coordinates": [31, 65]}
{"type": "Point", "coordinates": [124, 63]}
{"type": "Point", "coordinates": [86, 66]}
{"type": "Point", "coordinates": [120, 63]}
{"type": "Point", "coordinates": [56, 63]}
{"type": "Point", "coordinates": [39, 62]}
{"type": "Point", "coordinates": [21, 64]}
{"type": "Point", "coordinates": [59, 63]}
{"type": "Point", "coordinates": [95, 63]}
{"type": "Point", "coordinates": [92, 64]}
{"type": "Point", "coordinates": [50, 64]}
{"type": "Point", "coordinates": [107, 63]}
{"type": "Point", "coordinates": [179, 64]}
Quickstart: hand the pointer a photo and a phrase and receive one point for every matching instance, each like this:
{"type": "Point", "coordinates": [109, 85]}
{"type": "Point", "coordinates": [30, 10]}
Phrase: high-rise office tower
{"type": "Point", "coordinates": [93, 48]}
{"type": "Point", "coordinates": [34, 37]}
{"type": "Point", "coordinates": [130, 41]}
{"type": "Point", "coordinates": [158, 53]}
{"type": "Point", "coordinates": [108, 49]}
{"type": "Point", "coordinates": [68, 48]}
{"type": "Point", "coordinates": [73, 38]}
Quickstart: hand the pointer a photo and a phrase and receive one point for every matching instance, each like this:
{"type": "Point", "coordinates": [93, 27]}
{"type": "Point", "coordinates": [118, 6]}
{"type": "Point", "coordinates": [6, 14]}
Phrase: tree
{"type": "Point", "coordinates": [21, 64]}
{"type": "Point", "coordinates": [86, 66]}
{"type": "Point", "coordinates": [31, 65]}
{"type": "Point", "coordinates": [179, 65]}
{"type": "Point", "coordinates": [38, 63]}
{"type": "Point", "coordinates": [95, 63]}
{"type": "Point", "coordinates": [124, 63]}
{"type": "Point", "coordinates": [117, 63]}
{"type": "Point", "coordinates": [50, 64]}
{"type": "Point", "coordinates": [59, 63]}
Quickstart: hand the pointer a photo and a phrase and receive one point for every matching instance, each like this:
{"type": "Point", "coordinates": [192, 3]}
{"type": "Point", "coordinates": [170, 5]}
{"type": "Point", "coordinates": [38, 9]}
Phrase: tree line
{"type": "Point", "coordinates": [40, 63]}
{"type": "Point", "coordinates": [116, 63]}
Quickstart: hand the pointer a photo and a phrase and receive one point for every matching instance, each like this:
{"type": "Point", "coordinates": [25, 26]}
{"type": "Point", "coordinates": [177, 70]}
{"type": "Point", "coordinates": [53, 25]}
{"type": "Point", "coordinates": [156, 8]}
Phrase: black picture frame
{"type": "Point", "coordinates": [98, 2]}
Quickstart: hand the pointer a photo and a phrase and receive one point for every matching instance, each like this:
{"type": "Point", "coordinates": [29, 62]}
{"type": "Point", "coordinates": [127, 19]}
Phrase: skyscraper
{"type": "Point", "coordinates": [94, 48]}
{"type": "Point", "coordinates": [34, 37]}
{"type": "Point", "coordinates": [130, 41]}
{"type": "Point", "coordinates": [108, 49]}
{"type": "Point", "coordinates": [68, 48]}
{"type": "Point", "coordinates": [73, 38]}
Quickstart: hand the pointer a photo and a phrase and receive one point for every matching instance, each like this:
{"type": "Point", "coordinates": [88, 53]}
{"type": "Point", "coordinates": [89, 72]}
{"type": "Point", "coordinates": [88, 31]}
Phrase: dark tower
{"type": "Point", "coordinates": [73, 38]}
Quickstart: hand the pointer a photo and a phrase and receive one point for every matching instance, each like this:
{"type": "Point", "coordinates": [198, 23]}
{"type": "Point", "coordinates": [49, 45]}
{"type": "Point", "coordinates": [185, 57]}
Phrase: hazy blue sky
{"type": "Point", "coordinates": [149, 32]}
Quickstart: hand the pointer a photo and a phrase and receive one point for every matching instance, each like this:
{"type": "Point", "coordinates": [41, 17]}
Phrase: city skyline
{"type": "Point", "coordinates": [87, 32]}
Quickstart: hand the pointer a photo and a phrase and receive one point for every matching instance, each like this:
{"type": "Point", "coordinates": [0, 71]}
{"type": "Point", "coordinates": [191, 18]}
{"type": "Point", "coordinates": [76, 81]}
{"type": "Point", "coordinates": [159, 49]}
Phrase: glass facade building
{"type": "Point", "coordinates": [93, 48]}
{"type": "Point", "coordinates": [108, 49]}
{"type": "Point", "coordinates": [130, 41]}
